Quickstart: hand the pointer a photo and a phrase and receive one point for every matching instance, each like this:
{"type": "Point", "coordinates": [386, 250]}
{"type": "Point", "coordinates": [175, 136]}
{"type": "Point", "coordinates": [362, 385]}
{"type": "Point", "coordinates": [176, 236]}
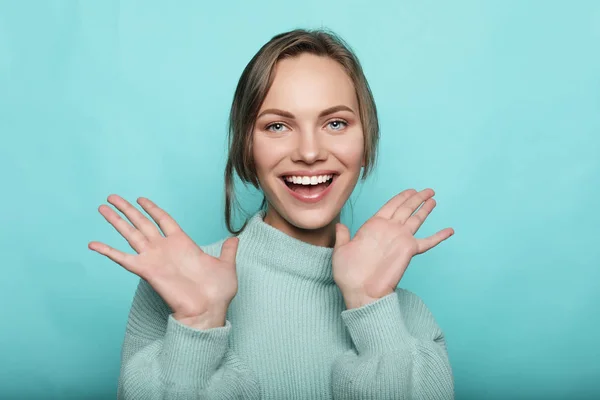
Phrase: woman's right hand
{"type": "Point", "coordinates": [197, 287]}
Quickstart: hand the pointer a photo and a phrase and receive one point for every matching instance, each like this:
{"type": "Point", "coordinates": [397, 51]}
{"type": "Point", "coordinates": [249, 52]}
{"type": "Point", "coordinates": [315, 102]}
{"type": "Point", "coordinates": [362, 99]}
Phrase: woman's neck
{"type": "Point", "coordinates": [324, 236]}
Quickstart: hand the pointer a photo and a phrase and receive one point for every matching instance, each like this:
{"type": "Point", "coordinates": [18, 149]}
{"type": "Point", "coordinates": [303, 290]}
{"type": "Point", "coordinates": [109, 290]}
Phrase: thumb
{"type": "Point", "coordinates": [229, 250]}
{"type": "Point", "coordinates": [342, 235]}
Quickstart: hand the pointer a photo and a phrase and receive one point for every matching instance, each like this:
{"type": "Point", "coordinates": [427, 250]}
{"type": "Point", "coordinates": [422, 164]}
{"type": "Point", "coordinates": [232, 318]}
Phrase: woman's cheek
{"type": "Point", "coordinates": [260, 151]}
{"type": "Point", "coordinates": [349, 152]}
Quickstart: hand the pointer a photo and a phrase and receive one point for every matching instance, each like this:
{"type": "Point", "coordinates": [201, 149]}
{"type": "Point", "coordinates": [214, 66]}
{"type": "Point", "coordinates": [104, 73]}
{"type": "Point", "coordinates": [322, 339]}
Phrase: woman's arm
{"type": "Point", "coordinates": [174, 343]}
{"type": "Point", "coordinates": [400, 352]}
{"type": "Point", "coordinates": [163, 358]}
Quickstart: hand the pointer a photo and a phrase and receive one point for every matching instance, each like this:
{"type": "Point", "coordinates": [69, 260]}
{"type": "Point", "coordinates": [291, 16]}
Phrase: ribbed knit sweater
{"type": "Point", "coordinates": [287, 335]}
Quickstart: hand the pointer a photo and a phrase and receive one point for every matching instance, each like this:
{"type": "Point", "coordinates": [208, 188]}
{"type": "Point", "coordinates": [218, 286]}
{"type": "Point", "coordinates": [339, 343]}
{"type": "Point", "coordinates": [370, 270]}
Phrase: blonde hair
{"type": "Point", "coordinates": [252, 88]}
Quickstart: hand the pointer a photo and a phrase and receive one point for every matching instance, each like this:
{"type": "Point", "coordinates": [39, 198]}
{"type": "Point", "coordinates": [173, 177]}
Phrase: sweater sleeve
{"type": "Point", "coordinates": [163, 358]}
{"type": "Point", "coordinates": [399, 352]}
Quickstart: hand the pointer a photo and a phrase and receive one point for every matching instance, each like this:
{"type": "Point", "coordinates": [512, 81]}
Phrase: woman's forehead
{"type": "Point", "coordinates": [310, 83]}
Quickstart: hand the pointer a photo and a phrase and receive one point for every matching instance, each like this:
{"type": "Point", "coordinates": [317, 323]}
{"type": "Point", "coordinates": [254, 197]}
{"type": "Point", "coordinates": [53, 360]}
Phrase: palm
{"type": "Point", "coordinates": [374, 261]}
{"type": "Point", "coordinates": [187, 279]}
{"type": "Point", "coordinates": [377, 244]}
{"type": "Point", "coordinates": [185, 276]}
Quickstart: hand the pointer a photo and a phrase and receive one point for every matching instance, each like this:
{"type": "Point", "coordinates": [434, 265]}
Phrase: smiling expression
{"type": "Point", "coordinates": [308, 146]}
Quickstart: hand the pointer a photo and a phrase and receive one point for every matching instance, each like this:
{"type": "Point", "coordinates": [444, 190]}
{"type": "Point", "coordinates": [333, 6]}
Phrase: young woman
{"type": "Point", "coordinates": [289, 306]}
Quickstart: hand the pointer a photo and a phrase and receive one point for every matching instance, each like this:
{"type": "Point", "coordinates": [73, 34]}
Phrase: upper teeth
{"type": "Point", "coordinates": [308, 180]}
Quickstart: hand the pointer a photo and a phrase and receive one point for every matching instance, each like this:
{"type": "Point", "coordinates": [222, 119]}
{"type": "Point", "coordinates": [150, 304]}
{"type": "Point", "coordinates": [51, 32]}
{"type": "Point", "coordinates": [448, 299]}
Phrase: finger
{"type": "Point", "coordinates": [229, 250]}
{"type": "Point", "coordinates": [138, 219]}
{"type": "Point", "coordinates": [123, 259]}
{"type": "Point", "coordinates": [342, 235]}
{"type": "Point", "coordinates": [387, 211]}
{"type": "Point", "coordinates": [135, 238]}
{"type": "Point", "coordinates": [415, 221]}
{"type": "Point", "coordinates": [405, 210]}
{"type": "Point", "coordinates": [433, 240]}
{"type": "Point", "coordinates": [167, 224]}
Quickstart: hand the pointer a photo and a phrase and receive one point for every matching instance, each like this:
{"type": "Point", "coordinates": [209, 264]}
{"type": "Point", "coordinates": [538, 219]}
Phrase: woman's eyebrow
{"type": "Point", "coordinates": [323, 113]}
{"type": "Point", "coordinates": [333, 109]}
{"type": "Point", "coordinates": [276, 111]}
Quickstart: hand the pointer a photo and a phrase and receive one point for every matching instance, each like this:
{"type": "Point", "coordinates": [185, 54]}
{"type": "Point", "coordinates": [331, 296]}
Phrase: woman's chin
{"type": "Point", "coordinates": [312, 219]}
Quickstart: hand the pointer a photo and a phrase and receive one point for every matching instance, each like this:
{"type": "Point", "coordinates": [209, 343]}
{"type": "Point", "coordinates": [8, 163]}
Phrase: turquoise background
{"type": "Point", "coordinates": [494, 104]}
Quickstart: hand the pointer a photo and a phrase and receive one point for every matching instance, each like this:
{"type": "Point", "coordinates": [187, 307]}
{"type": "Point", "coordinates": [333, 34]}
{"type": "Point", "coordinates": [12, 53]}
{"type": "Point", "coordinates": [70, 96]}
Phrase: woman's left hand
{"type": "Point", "coordinates": [370, 266]}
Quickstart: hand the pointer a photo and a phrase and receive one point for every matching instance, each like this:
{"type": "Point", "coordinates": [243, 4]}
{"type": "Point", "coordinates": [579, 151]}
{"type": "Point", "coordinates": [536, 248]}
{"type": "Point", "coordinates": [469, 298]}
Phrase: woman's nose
{"type": "Point", "coordinates": [308, 148]}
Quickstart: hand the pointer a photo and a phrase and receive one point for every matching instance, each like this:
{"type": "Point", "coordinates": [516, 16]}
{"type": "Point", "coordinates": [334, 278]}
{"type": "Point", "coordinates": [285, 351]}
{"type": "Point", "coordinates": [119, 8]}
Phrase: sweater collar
{"type": "Point", "coordinates": [276, 250]}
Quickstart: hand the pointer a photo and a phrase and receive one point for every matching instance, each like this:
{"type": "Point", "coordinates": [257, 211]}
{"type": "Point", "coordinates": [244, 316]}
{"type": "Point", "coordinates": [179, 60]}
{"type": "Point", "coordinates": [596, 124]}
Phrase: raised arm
{"type": "Point", "coordinates": [400, 352]}
{"type": "Point", "coordinates": [176, 342]}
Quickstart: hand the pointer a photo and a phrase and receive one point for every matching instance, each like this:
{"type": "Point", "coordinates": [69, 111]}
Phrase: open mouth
{"type": "Point", "coordinates": [308, 187]}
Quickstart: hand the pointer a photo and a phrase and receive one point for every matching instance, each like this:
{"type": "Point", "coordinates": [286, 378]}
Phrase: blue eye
{"type": "Point", "coordinates": [278, 127]}
{"type": "Point", "coordinates": [338, 124]}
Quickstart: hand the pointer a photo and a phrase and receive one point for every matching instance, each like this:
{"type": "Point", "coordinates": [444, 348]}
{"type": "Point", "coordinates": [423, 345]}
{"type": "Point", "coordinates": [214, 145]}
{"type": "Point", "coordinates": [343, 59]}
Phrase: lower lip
{"type": "Point", "coordinates": [315, 197]}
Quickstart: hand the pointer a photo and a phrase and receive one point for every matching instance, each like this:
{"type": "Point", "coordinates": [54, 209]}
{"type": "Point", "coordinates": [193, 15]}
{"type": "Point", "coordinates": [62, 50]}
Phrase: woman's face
{"type": "Point", "coordinates": [308, 131]}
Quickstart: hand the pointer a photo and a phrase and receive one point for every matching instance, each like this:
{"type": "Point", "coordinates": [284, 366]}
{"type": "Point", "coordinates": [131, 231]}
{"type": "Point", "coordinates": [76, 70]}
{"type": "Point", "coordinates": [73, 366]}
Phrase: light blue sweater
{"type": "Point", "coordinates": [287, 335]}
